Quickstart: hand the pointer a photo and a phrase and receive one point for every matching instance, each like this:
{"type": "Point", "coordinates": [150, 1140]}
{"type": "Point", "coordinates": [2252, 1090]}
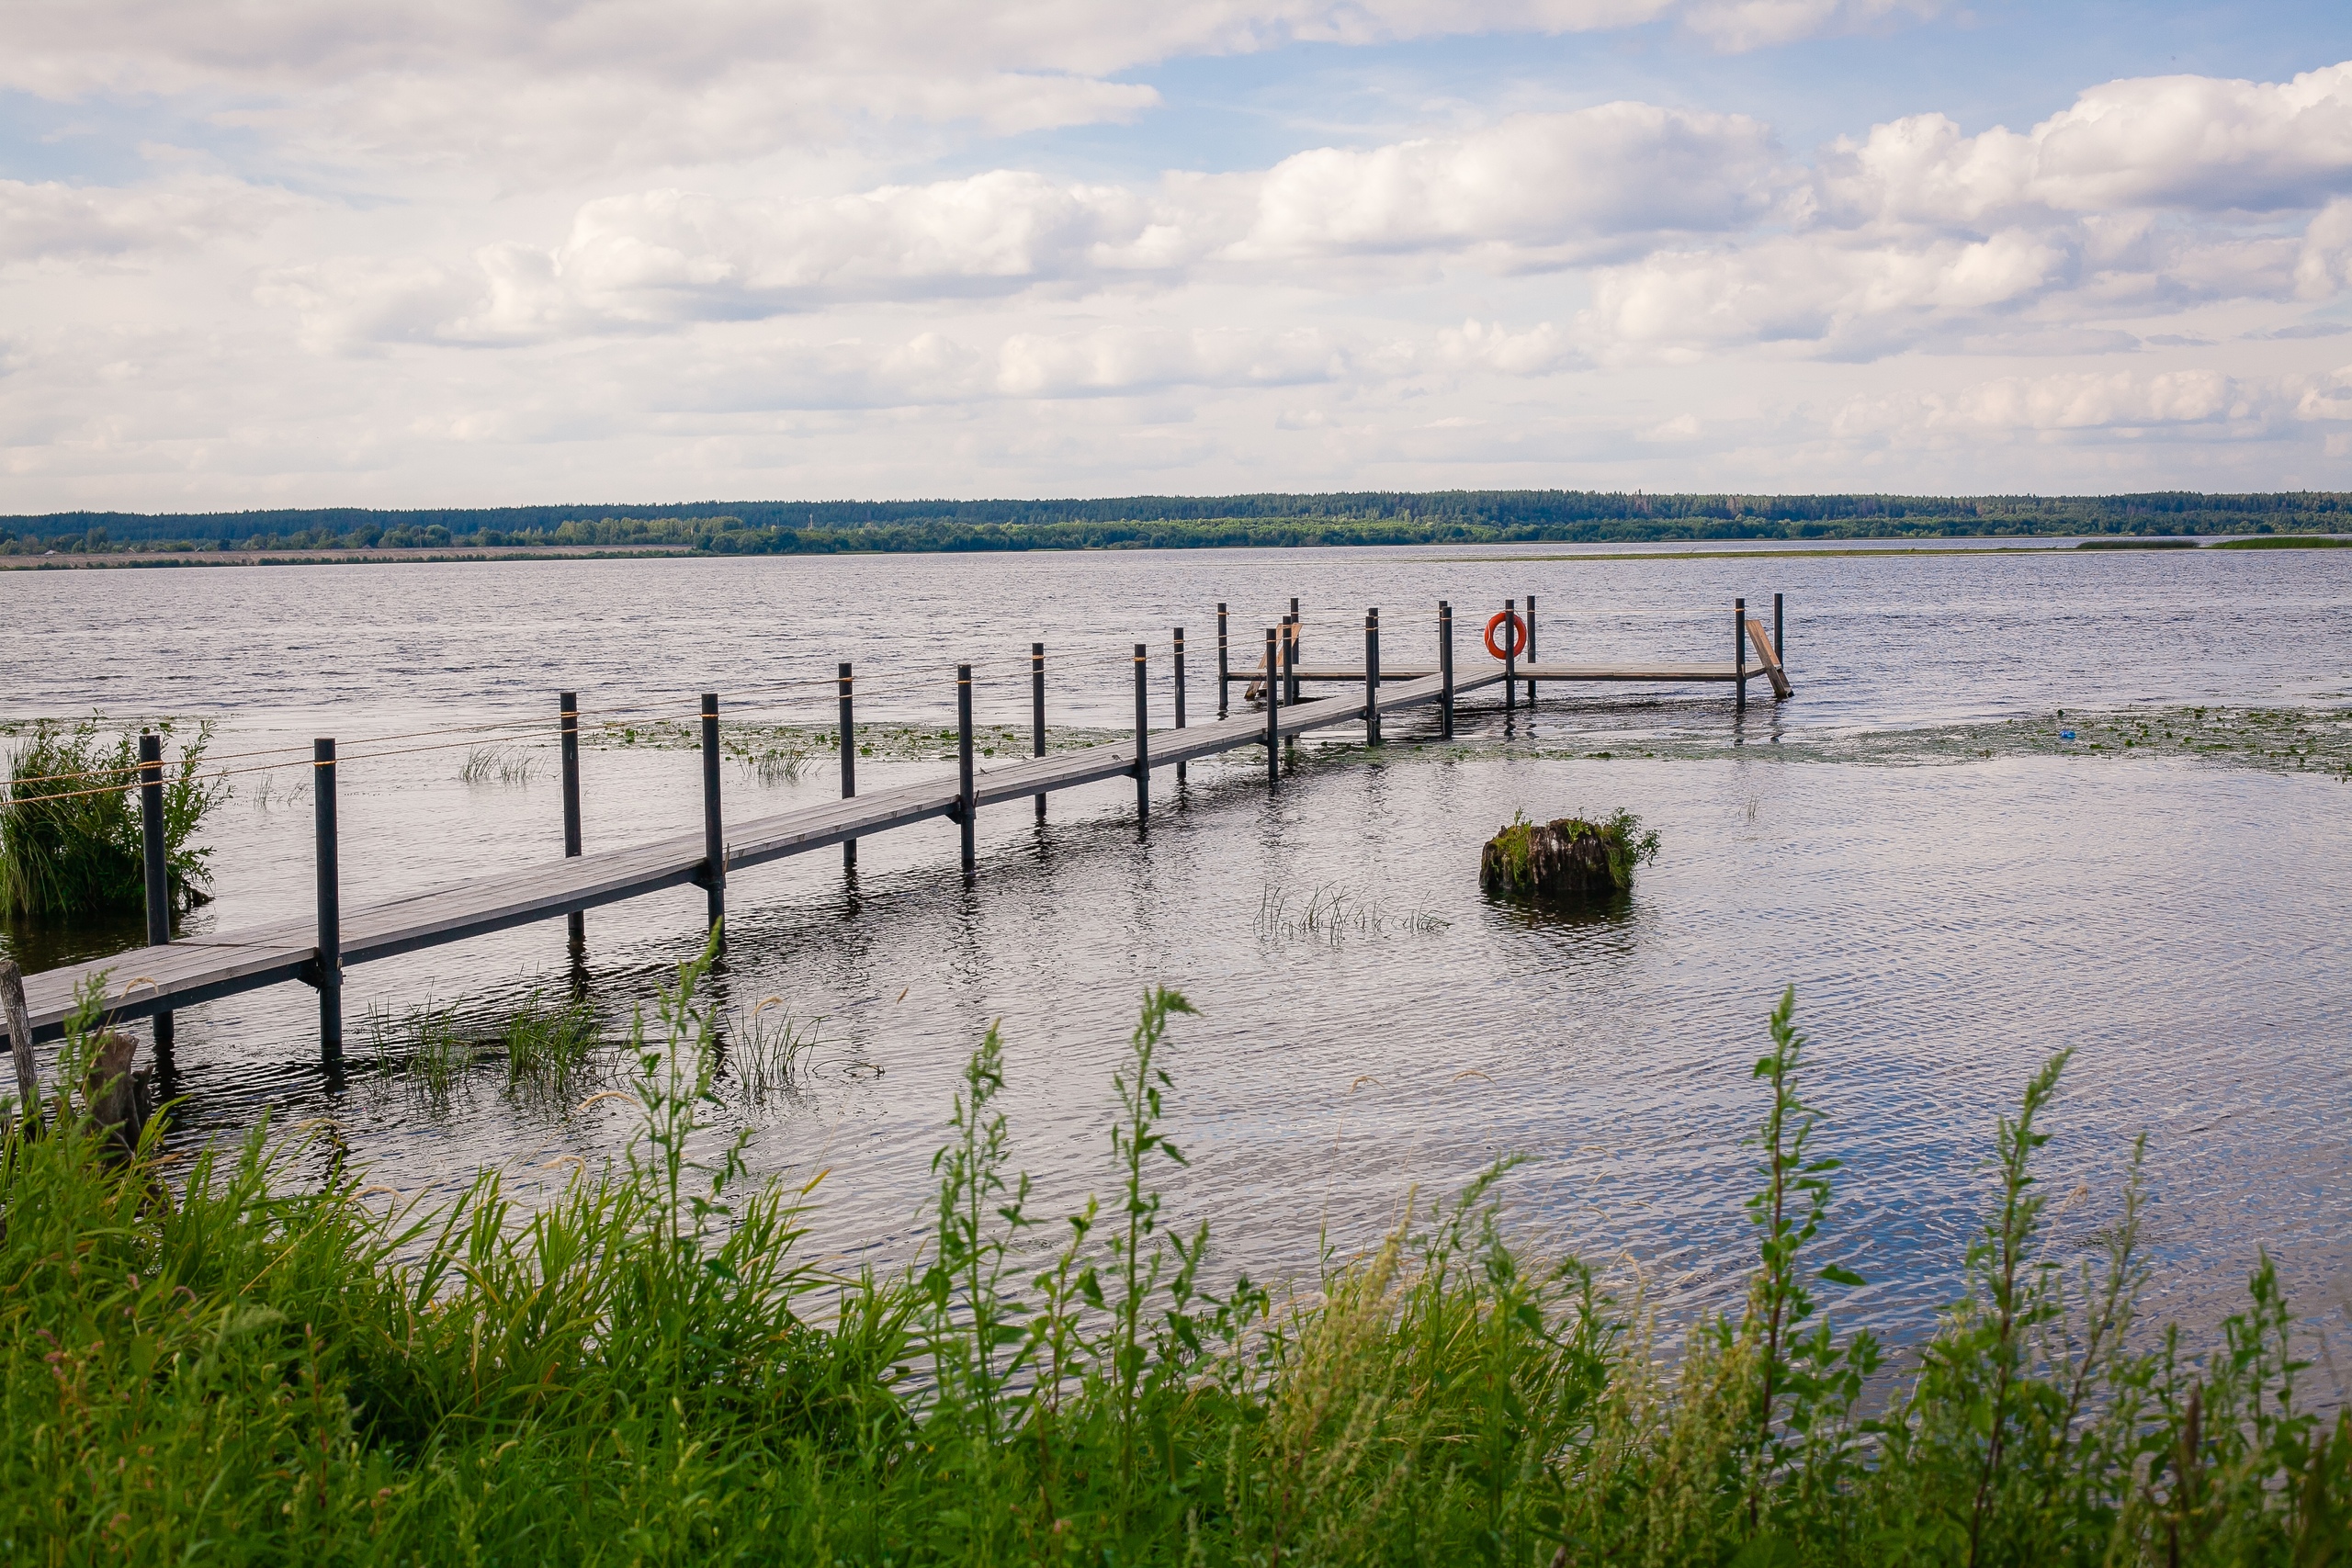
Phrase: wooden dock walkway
{"type": "Point", "coordinates": [147, 980]}
{"type": "Point", "coordinates": [158, 979]}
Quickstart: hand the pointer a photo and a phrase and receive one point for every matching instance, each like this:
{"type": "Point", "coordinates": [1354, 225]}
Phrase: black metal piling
{"type": "Point", "coordinates": [1510, 655]}
{"type": "Point", "coordinates": [153, 860]}
{"type": "Point", "coordinates": [714, 835]}
{"type": "Point", "coordinates": [326, 969]}
{"type": "Point", "coordinates": [1445, 667]}
{"type": "Point", "coordinates": [566, 704]}
{"type": "Point", "coordinates": [1272, 689]}
{"type": "Point", "coordinates": [1223, 670]}
{"type": "Point", "coordinates": [1179, 694]}
{"type": "Point", "coordinates": [1739, 654]}
{"type": "Point", "coordinates": [1290, 672]}
{"type": "Point", "coordinates": [843, 685]}
{"type": "Point", "coordinates": [1531, 655]}
{"type": "Point", "coordinates": [1780, 644]}
{"type": "Point", "coordinates": [1143, 740]}
{"type": "Point", "coordinates": [1038, 710]}
{"type": "Point", "coordinates": [1371, 677]}
{"type": "Point", "coordinates": [965, 804]}
{"type": "Point", "coordinates": [1291, 656]}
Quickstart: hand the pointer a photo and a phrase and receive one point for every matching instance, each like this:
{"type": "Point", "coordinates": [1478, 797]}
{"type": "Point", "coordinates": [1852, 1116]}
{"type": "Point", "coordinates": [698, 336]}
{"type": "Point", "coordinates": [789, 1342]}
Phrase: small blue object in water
{"type": "Point", "coordinates": [2066, 735]}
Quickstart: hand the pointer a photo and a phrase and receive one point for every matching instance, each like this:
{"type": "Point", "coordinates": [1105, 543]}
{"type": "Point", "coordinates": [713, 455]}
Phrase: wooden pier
{"type": "Point", "coordinates": [166, 976]}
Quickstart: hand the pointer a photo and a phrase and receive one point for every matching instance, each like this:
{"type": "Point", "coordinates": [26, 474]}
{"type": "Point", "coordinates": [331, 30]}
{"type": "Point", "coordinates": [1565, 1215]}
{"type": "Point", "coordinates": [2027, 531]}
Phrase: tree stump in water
{"type": "Point", "coordinates": [118, 1096]}
{"type": "Point", "coordinates": [1565, 859]}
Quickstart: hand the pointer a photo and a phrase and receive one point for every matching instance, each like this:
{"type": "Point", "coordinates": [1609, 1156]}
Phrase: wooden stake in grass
{"type": "Point", "coordinates": [20, 1040]}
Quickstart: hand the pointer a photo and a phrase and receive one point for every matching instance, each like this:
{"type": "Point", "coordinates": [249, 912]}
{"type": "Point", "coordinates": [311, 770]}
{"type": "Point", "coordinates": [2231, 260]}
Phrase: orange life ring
{"type": "Point", "coordinates": [1517, 634]}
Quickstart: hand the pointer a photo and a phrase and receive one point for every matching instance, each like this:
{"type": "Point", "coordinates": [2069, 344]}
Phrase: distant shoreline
{"type": "Point", "coordinates": [1525, 550]}
{"type": "Point", "coordinates": [1468, 518]}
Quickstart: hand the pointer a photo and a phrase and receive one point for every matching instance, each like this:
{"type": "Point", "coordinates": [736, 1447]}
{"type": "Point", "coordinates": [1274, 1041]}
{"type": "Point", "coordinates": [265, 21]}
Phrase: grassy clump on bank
{"type": "Point", "coordinates": [645, 1370]}
{"type": "Point", "coordinates": [70, 843]}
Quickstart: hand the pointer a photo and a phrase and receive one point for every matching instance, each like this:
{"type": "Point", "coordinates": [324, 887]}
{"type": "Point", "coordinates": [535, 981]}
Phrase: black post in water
{"type": "Point", "coordinates": [1274, 702]}
{"type": "Point", "coordinates": [1780, 647]}
{"type": "Point", "coordinates": [150, 833]}
{"type": "Point", "coordinates": [1371, 677]}
{"type": "Point", "coordinates": [714, 836]}
{"type": "Point", "coordinates": [1510, 655]}
{"type": "Point", "coordinates": [1223, 670]}
{"type": "Point", "coordinates": [1531, 655]}
{"type": "Point", "coordinates": [327, 973]}
{"type": "Point", "coordinates": [1143, 740]}
{"type": "Point", "coordinates": [1289, 671]}
{"type": "Point", "coordinates": [1445, 667]}
{"type": "Point", "coordinates": [965, 804]}
{"type": "Point", "coordinates": [1038, 710]}
{"type": "Point", "coordinates": [1739, 653]}
{"type": "Point", "coordinates": [1291, 656]}
{"type": "Point", "coordinates": [567, 707]}
{"type": "Point", "coordinates": [849, 754]}
{"type": "Point", "coordinates": [1180, 693]}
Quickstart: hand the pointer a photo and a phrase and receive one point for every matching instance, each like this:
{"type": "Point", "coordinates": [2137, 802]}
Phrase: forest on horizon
{"type": "Point", "coordinates": [1367, 517]}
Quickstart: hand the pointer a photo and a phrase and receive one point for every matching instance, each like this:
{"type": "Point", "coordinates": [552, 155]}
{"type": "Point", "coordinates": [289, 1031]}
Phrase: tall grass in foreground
{"type": "Point", "coordinates": [229, 1370]}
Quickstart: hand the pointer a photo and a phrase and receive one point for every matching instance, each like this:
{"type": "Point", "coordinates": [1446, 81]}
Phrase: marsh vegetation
{"type": "Point", "coordinates": [70, 835]}
{"type": "Point", "coordinates": [222, 1359]}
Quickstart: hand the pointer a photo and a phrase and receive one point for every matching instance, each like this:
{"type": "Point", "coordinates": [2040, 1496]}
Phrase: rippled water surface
{"type": "Point", "coordinates": [2181, 924]}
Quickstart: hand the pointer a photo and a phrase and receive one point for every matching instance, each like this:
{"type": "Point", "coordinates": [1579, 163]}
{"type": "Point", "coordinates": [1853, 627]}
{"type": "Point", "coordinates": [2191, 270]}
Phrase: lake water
{"type": "Point", "coordinates": [1955, 898]}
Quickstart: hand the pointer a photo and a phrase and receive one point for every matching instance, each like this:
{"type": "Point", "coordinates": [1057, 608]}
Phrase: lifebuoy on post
{"type": "Point", "coordinates": [1517, 634]}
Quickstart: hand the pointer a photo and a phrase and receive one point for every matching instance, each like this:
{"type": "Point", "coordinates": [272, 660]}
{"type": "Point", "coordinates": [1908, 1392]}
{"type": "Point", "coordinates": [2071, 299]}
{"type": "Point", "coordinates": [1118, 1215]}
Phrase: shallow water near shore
{"type": "Point", "coordinates": [1950, 918]}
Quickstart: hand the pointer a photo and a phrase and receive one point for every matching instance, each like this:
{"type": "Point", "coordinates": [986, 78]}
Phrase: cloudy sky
{"type": "Point", "coordinates": [470, 252]}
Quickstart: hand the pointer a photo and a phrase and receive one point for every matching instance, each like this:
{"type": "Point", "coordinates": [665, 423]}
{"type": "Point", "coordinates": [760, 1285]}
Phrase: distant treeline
{"type": "Point", "coordinates": [1174, 521]}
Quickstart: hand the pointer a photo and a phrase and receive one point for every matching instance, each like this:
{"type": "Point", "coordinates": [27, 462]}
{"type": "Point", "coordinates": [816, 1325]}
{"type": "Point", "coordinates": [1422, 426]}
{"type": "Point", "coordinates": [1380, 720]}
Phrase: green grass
{"type": "Point", "coordinates": [432, 1056]}
{"type": "Point", "coordinates": [2287, 542]}
{"type": "Point", "coordinates": [256, 1362]}
{"type": "Point", "coordinates": [70, 839]}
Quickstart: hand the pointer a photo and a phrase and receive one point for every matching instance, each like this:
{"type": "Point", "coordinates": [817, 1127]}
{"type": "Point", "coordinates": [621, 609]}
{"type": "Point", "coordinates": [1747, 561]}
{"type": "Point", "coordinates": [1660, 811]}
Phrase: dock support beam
{"type": "Point", "coordinates": [1223, 668]}
{"type": "Point", "coordinates": [965, 804]}
{"type": "Point", "coordinates": [1289, 667]}
{"type": "Point", "coordinates": [567, 707]}
{"type": "Point", "coordinates": [1038, 710]}
{"type": "Point", "coordinates": [1531, 655]}
{"type": "Point", "coordinates": [849, 754]}
{"type": "Point", "coordinates": [1739, 654]}
{"type": "Point", "coordinates": [1780, 646]}
{"type": "Point", "coordinates": [1445, 667]}
{"type": "Point", "coordinates": [154, 862]}
{"type": "Point", "coordinates": [1291, 656]}
{"type": "Point", "coordinates": [1142, 738]}
{"type": "Point", "coordinates": [327, 971]}
{"type": "Point", "coordinates": [1511, 641]}
{"type": "Point", "coordinates": [1371, 677]}
{"type": "Point", "coordinates": [713, 833]}
{"type": "Point", "coordinates": [1180, 693]}
{"type": "Point", "coordinates": [1273, 704]}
